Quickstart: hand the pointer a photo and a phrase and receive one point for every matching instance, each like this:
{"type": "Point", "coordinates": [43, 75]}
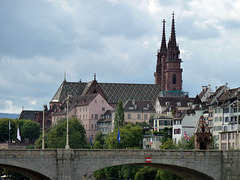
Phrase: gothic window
{"type": "Point", "coordinates": [174, 79]}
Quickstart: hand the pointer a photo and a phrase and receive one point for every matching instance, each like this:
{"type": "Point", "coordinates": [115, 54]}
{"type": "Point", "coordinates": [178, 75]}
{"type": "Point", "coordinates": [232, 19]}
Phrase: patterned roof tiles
{"type": "Point", "coordinates": [139, 92]}
{"type": "Point", "coordinates": [112, 91]}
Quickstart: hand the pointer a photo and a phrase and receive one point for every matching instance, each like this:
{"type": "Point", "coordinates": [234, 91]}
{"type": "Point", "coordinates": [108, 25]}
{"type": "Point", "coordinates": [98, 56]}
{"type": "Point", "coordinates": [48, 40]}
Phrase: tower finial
{"type": "Point", "coordinates": [64, 75]}
{"type": "Point", "coordinates": [163, 48]}
{"type": "Point", "coordinates": [94, 76]}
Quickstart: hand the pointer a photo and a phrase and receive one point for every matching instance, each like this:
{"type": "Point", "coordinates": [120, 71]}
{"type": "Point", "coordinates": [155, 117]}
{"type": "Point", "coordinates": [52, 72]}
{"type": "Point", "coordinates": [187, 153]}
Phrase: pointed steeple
{"type": "Point", "coordinates": [163, 48]}
{"type": "Point", "coordinates": [173, 50]}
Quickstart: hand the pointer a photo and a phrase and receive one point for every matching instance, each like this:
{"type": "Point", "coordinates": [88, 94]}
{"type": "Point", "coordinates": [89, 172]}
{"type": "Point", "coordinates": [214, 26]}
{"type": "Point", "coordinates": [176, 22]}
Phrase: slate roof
{"type": "Point", "coordinates": [28, 114]}
{"type": "Point", "coordinates": [174, 100]}
{"type": "Point", "coordinates": [112, 91]}
{"type": "Point", "coordinates": [131, 105]}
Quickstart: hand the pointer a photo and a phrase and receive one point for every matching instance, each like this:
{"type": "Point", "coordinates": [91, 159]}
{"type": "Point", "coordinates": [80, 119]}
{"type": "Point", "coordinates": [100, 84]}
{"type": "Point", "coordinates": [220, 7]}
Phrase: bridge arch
{"type": "Point", "coordinates": [186, 173]}
{"type": "Point", "coordinates": [187, 164]}
{"type": "Point", "coordinates": [26, 172]}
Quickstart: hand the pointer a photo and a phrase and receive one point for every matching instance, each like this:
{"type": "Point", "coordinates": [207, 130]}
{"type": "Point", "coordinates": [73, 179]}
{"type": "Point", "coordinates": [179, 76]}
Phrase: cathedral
{"type": "Point", "coordinates": [168, 69]}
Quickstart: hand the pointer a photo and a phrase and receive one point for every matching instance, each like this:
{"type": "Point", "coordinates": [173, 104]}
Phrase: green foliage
{"type": "Point", "coordinates": [213, 142]}
{"type": "Point", "coordinates": [131, 137]}
{"type": "Point", "coordinates": [184, 144]}
{"type": "Point", "coordinates": [164, 175]}
{"type": "Point", "coordinates": [169, 144]}
{"type": "Point", "coordinates": [119, 115]}
{"type": "Point", "coordinates": [99, 141]}
{"type": "Point", "coordinates": [28, 129]}
{"type": "Point", "coordinates": [146, 173]}
{"type": "Point", "coordinates": [166, 134]}
{"type": "Point", "coordinates": [56, 136]}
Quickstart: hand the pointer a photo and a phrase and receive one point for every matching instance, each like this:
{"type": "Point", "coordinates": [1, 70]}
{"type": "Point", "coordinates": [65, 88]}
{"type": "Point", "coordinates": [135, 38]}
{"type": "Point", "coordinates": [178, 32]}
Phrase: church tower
{"type": "Point", "coordinates": [168, 70]}
{"type": "Point", "coordinates": [162, 53]}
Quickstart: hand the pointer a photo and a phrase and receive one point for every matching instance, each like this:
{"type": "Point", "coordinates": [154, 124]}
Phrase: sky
{"type": "Point", "coordinates": [116, 39]}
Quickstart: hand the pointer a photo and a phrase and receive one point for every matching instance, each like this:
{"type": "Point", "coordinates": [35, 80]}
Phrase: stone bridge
{"type": "Point", "coordinates": [74, 164]}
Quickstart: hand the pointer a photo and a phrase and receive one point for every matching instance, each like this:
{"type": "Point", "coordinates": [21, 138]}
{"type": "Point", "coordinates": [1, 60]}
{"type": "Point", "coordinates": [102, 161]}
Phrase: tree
{"type": "Point", "coordinates": [146, 173]}
{"type": "Point", "coordinates": [56, 136]}
{"type": "Point", "coordinates": [166, 134]}
{"type": "Point", "coordinates": [99, 141]}
{"type": "Point", "coordinates": [164, 175]}
{"type": "Point", "coordinates": [169, 144]}
{"type": "Point", "coordinates": [131, 137]}
{"type": "Point", "coordinates": [119, 115]}
{"type": "Point", "coordinates": [184, 144]}
{"type": "Point", "coordinates": [30, 130]}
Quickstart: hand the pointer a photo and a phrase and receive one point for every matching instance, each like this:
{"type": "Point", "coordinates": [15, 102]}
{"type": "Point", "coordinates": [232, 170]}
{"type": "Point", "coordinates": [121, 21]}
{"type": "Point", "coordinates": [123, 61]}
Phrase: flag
{"type": "Point", "coordinates": [90, 140]}
{"type": "Point", "coordinates": [151, 141]}
{"type": "Point", "coordinates": [9, 125]}
{"type": "Point", "coordinates": [118, 137]}
{"type": "Point", "coordinates": [18, 134]}
{"type": "Point", "coordinates": [186, 136]}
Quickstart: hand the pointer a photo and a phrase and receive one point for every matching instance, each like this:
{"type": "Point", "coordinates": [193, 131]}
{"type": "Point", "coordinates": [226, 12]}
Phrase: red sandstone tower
{"type": "Point", "coordinates": [168, 69]}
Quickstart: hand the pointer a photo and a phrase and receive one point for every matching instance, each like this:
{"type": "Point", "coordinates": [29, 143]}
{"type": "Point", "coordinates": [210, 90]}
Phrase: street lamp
{"type": "Point", "coordinates": [237, 119]}
{"type": "Point", "coordinates": [43, 146]}
{"type": "Point", "coordinates": [67, 139]}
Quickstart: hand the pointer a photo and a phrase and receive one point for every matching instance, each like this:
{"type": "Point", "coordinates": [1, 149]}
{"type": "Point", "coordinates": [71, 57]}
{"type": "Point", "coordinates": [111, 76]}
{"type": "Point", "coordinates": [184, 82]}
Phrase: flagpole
{"type": "Point", "coordinates": [43, 146]}
{"type": "Point", "coordinates": [67, 139]}
{"type": "Point", "coordinates": [9, 132]}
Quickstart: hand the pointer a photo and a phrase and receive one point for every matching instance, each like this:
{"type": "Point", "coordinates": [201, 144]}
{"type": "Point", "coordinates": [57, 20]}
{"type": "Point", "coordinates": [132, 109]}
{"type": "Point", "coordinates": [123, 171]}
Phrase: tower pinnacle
{"type": "Point", "coordinates": [163, 48]}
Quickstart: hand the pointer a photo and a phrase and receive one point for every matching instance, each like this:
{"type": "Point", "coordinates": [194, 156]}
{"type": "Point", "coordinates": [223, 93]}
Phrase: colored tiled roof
{"type": "Point", "coordinates": [139, 92]}
{"type": "Point", "coordinates": [112, 91]}
{"type": "Point", "coordinates": [202, 126]}
{"type": "Point", "coordinates": [73, 88]}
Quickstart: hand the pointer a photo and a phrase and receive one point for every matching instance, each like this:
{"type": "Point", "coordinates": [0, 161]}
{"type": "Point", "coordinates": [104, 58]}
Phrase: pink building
{"type": "Point", "coordinates": [88, 108]}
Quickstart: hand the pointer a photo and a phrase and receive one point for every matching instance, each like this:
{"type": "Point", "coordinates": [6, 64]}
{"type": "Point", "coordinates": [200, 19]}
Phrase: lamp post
{"type": "Point", "coordinates": [237, 121]}
{"type": "Point", "coordinates": [43, 147]}
{"type": "Point", "coordinates": [67, 139]}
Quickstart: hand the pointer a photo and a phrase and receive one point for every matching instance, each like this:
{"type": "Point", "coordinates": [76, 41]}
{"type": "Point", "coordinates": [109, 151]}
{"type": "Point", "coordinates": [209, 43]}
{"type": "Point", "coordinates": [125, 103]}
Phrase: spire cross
{"type": "Point", "coordinates": [163, 21]}
{"type": "Point", "coordinates": [173, 14]}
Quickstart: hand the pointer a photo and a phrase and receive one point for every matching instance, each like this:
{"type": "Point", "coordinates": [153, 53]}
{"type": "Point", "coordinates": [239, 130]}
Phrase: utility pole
{"type": "Point", "coordinates": [237, 122]}
{"type": "Point", "coordinates": [67, 139]}
{"type": "Point", "coordinates": [43, 146]}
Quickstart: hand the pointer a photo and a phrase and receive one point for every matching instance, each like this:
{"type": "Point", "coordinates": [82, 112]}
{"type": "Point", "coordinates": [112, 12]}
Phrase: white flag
{"type": "Point", "coordinates": [18, 134]}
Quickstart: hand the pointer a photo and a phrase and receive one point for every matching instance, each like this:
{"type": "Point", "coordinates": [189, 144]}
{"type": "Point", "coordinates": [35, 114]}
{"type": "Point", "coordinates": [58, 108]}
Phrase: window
{"type": "Point", "coordinates": [92, 116]}
{"type": "Point", "coordinates": [80, 109]}
{"type": "Point", "coordinates": [86, 109]}
{"type": "Point", "coordinates": [174, 79]}
{"type": "Point", "coordinates": [177, 131]}
{"type": "Point", "coordinates": [96, 116]}
{"type": "Point", "coordinates": [83, 116]}
{"type": "Point", "coordinates": [145, 116]}
{"type": "Point", "coordinates": [83, 109]}
{"type": "Point", "coordinates": [139, 116]}
{"type": "Point", "coordinates": [103, 109]}
{"type": "Point", "coordinates": [80, 117]}
{"type": "Point", "coordinates": [92, 126]}
{"type": "Point", "coordinates": [129, 116]}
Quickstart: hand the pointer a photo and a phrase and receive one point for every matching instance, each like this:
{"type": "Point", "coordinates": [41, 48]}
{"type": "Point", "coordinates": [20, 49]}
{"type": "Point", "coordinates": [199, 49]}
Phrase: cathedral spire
{"type": "Point", "coordinates": [172, 41]}
{"type": "Point", "coordinates": [163, 48]}
{"type": "Point", "coordinates": [173, 50]}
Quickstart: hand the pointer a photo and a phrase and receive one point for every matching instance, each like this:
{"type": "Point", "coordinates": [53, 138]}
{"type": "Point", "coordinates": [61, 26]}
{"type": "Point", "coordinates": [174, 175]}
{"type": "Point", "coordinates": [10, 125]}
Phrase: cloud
{"type": "Point", "coordinates": [118, 40]}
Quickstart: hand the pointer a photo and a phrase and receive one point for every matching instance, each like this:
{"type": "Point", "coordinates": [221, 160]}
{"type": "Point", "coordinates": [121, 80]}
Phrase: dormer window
{"type": "Point", "coordinates": [178, 103]}
{"type": "Point", "coordinates": [167, 103]}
